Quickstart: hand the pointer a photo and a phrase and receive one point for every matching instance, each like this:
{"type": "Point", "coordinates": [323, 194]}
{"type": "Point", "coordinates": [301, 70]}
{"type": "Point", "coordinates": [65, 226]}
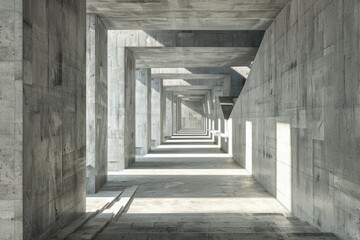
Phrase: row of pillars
{"type": "Point", "coordinates": [128, 113]}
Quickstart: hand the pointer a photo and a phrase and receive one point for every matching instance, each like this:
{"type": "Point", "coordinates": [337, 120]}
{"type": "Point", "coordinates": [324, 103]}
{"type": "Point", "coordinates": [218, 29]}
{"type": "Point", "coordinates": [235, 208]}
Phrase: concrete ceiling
{"type": "Point", "coordinates": [186, 14]}
{"type": "Point", "coordinates": [184, 76]}
{"type": "Point", "coordinates": [188, 89]}
{"type": "Point", "coordinates": [187, 57]}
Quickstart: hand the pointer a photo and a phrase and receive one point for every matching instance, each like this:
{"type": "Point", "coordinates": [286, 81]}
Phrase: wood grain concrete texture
{"type": "Point", "coordinates": [96, 107]}
{"type": "Point", "coordinates": [189, 15]}
{"type": "Point", "coordinates": [306, 75]}
{"type": "Point", "coordinates": [11, 120]}
{"type": "Point", "coordinates": [54, 108]}
{"type": "Point", "coordinates": [121, 106]}
{"type": "Point", "coordinates": [143, 111]}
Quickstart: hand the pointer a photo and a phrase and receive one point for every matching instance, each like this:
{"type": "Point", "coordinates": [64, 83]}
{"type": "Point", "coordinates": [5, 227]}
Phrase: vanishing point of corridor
{"type": "Point", "coordinates": [190, 189]}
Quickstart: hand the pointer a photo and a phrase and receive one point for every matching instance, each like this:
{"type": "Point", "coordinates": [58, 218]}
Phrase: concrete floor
{"type": "Point", "coordinates": [190, 189]}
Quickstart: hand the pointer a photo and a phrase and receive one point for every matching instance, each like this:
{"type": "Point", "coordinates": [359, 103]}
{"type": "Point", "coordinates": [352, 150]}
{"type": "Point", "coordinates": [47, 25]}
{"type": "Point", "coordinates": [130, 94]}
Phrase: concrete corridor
{"type": "Point", "coordinates": [179, 119]}
{"type": "Point", "coordinates": [191, 189]}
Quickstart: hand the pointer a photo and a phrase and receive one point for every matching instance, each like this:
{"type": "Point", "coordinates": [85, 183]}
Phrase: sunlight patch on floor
{"type": "Point", "coordinates": [205, 205]}
{"type": "Point", "coordinates": [182, 172]}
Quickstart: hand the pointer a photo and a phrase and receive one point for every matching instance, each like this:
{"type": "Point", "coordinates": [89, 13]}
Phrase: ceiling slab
{"type": "Point", "coordinates": [183, 57]}
{"type": "Point", "coordinates": [186, 14]}
{"type": "Point", "coordinates": [189, 76]}
{"type": "Point", "coordinates": [188, 88]}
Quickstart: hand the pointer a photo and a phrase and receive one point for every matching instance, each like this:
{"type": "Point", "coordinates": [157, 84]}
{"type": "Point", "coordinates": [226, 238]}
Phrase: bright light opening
{"type": "Point", "coordinates": [248, 146]}
{"type": "Point", "coordinates": [283, 164]}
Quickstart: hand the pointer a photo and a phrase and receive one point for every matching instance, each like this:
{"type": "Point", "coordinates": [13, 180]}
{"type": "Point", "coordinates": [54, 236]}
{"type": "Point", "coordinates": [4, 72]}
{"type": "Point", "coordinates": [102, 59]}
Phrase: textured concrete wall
{"type": "Point", "coordinates": [121, 105]}
{"type": "Point", "coordinates": [54, 114]}
{"type": "Point", "coordinates": [192, 114]}
{"type": "Point", "coordinates": [298, 116]}
{"type": "Point", "coordinates": [156, 116]}
{"type": "Point", "coordinates": [143, 111]}
{"type": "Point", "coordinates": [96, 107]}
{"type": "Point", "coordinates": [11, 120]}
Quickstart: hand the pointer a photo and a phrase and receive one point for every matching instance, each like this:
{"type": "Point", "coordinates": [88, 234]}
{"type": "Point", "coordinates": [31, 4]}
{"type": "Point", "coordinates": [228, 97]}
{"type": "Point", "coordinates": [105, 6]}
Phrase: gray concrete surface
{"type": "Point", "coordinates": [121, 106]}
{"type": "Point", "coordinates": [143, 111]}
{"type": "Point", "coordinates": [156, 114]}
{"type": "Point", "coordinates": [195, 39]}
{"type": "Point", "coordinates": [186, 38]}
{"type": "Point", "coordinates": [189, 189]}
{"type": "Point", "coordinates": [298, 116]}
{"type": "Point", "coordinates": [168, 114]}
{"type": "Point", "coordinates": [192, 15]}
{"type": "Point", "coordinates": [96, 103]}
{"type": "Point", "coordinates": [54, 108]}
{"type": "Point", "coordinates": [192, 113]}
{"type": "Point", "coordinates": [11, 120]}
{"type": "Point", "coordinates": [173, 57]}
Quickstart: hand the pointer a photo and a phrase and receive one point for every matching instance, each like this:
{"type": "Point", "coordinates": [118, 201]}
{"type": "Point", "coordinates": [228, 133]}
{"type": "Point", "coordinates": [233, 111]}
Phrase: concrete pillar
{"type": "Point", "coordinates": [11, 120]}
{"type": "Point", "coordinates": [168, 115]}
{"type": "Point", "coordinates": [178, 114]}
{"type": "Point", "coordinates": [143, 111]}
{"type": "Point", "coordinates": [43, 173]}
{"type": "Point", "coordinates": [156, 116]}
{"type": "Point", "coordinates": [96, 107]}
{"type": "Point", "coordinates": [174, 119]}
{"type": "Point", "coordinates": [121, 106]}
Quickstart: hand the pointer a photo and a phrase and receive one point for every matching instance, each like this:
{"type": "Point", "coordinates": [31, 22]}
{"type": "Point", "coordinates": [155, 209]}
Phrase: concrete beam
{"type": "Point", "coordinates": [172, 57]}
{"type": "Point", "coordinates": [194, 15]}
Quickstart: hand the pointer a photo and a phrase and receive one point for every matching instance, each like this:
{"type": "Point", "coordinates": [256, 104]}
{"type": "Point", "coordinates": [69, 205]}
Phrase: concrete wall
{"type": "Point", "coordinates": [53, 114]}
{"type": "Point", "coordinates": [121, 105]}
{"type": "Point", "coordinates": [192, 114]}
{"type": "Point", "coordinates": [143, 111]}
{"type": "Point", "coordinates": [298, 116]}
{"type": "Point", "coordinates": [96, 107]}
{"type": "Point", "coordinates": [156, 116]}
{"type": "Point", "coordinates": [11, 120]}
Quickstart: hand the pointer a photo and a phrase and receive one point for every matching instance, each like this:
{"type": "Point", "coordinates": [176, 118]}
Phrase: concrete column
{"type": "Point", "coordinates": [51, 60]}
{"type": "Point", "coordinates": [162, 111]}
{"type": "Point", "coordinates": [156, 116]}
{"type": "Point", "coordinates": [96, 107]}
{"type": "Point", "coordinates": [174, 119]}
{"type": "Point", "coordinates": [143, 111]}
{"type": "Point", "coordinates": [11, 120]}
{"type": "Point", "coordinates": [121, 106]}
{"type": "Point", "coordinates": [168, 115]}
